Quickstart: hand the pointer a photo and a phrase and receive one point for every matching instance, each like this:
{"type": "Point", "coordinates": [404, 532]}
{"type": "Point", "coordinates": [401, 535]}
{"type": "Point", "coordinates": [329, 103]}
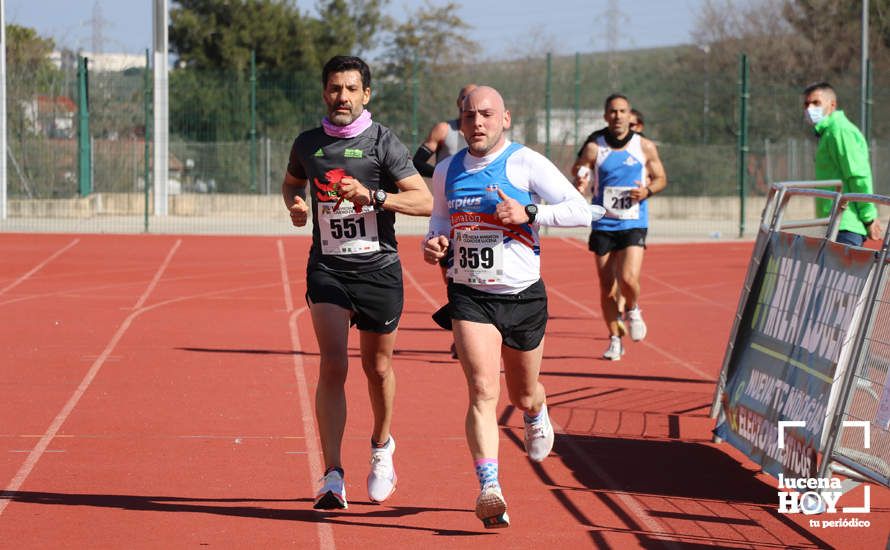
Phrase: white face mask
{"type": "Point", "coordinates": [814, 114]}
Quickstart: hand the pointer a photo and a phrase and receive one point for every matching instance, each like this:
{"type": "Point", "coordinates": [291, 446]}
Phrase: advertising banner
{"type": "Point", "coordinates": [798, 316]}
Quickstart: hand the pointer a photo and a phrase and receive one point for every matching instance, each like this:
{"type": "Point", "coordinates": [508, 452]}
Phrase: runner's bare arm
{"type": "Point", "coordinates": [654, 167]}
{"type": "Point", "coordinates": [584, 160]}
{"type": "Point", "coordinates": [413, 198]}
{"type": "Point", "coordinates": [293, 191]}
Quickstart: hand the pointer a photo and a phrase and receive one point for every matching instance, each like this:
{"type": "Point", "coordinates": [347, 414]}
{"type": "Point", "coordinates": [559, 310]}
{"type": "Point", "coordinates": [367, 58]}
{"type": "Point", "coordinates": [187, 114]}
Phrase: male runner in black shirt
{"type": "Point", "coordinates": [358, 175]}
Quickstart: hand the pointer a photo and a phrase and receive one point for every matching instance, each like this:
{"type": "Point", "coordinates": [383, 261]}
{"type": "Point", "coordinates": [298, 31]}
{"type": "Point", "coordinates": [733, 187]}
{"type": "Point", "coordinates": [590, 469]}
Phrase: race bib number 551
{"type": "Point", "coordinates": [346, 231]}
{"type": "Point", "coordinates": [478, 256]}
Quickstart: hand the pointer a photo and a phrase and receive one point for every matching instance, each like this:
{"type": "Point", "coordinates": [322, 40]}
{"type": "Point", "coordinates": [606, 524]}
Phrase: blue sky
{"type": "Point", "coordinates": [501, 26]}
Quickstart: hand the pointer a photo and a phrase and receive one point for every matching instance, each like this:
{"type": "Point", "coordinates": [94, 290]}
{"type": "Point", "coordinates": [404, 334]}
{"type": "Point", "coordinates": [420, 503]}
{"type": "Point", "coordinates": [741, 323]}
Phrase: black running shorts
{"type": "Point", "coordinates": [603, 242]}
{"type": "Point", "coordinates": [375, 297]}
{"type": "Point", "coordinates": [520, 318]}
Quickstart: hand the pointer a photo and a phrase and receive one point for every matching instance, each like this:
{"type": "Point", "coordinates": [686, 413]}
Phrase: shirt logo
{"type": "Point", "coordinates": [353, 153]}
{"type": "Point", "coordinates": [318, 153]}
{"type": "Point", "coordinates": [465, 202]}
{"type": "Point", "coordinates": [630, 161]}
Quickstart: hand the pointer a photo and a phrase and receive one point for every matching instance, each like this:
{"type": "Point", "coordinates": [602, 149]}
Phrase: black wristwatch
{"type": "Point", "coordinates": [531, 210]}
{"type": "Point", "coordinates": [379, 198]}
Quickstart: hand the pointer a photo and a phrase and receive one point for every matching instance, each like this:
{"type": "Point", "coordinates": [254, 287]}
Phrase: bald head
{"type": "Point", "coordinates": [480, 93]}
{"type": "Point", "coordinates": [483, 120]}
{"type": "Point", "coordinates": [464, 92]}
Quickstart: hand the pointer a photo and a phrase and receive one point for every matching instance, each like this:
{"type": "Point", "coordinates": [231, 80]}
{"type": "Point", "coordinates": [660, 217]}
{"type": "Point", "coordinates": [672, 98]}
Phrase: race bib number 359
{"type": "Point", "coordinates": [346, 231]}
{"type": "Point", "coordinates": [478, 257]}
{"type": "Point", "coordinates": [619, 204]}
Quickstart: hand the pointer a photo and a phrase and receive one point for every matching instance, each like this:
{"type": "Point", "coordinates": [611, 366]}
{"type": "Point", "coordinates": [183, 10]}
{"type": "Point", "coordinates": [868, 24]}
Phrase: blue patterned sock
{"type": "Point", "coordinates": [529, 419]}
{"type": "Point", "coordinates": [487, 472]}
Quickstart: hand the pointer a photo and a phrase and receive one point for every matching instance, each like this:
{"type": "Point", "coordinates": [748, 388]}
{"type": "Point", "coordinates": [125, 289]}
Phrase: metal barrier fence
{"type": "Point", "coordinates": [812, 318]}
{"type": "Point", "coordinates": [859, 435]}
{"type": "Point", "coordinates": [869, 398]}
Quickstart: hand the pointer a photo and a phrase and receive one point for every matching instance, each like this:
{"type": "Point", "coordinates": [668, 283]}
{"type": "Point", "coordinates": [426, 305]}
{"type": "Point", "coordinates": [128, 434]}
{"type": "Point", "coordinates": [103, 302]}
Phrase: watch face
{"type": "Point", "coordinates": [380, 195]}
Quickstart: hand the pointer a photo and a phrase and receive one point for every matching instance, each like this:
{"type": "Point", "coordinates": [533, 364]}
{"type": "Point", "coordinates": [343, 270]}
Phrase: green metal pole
{"type": "Point", "coordinates": [253, 150]}
{"type": "Point", "coordinates": [148, 123]}
{"type": "Point", "coordinates": [577, 95]}
{"type": "Point", "coordinates": [84, 169]}
{"type": "Point", "coordinates": [743, 139]}
{"type": "Point", "coordinates": [414, 102]}
{"type": "Point", "coordinates": [547, 95]}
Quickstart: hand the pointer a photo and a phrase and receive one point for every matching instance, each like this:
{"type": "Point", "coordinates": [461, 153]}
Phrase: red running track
{"type": "Point", "coordinates": [157, 392]}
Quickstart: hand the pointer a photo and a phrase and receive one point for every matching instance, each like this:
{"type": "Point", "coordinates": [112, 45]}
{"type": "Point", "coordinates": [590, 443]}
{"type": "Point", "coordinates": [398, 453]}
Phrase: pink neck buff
{"type": "Point", "coordinates": [351, 130]}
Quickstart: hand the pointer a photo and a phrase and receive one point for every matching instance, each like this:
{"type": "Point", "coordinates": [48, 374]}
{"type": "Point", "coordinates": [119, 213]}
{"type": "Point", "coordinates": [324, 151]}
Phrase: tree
{"type": "Point", "coordinates": [27, 51]}
{"type": "Point", "coordinates": [30, 74]}
{"type": "Point", "coordinates": [430, 47]}
{"type": "Point", "coordinates": [220, 34]}
{"type": "Point", "coordinates": [344, 28]}
{"type": "Point", "coordinates": [832, 31]}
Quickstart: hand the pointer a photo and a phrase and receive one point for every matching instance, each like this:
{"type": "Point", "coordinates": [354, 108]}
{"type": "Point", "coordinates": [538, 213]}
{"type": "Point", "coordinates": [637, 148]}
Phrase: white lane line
{"type": "Point", "coordinates": [668, 355]}
{"type": "Point", "coordinates": [677, 289]}
{"type": "Point", "coordinates": [637, 508]}
{"type": "Point", "coordinates": [285, 281]}
{"type": "Point", "coordinates": [688, 366]}
{"type": "Point", "coordinates": [685, 292]}
{"type": "Point", "coordinates": [31, 461]}
{"type": "Point", "coordinates": [38, 267]}
{"type": "Point", "coordinates": [569, 299]}
{"type": "Point", "coordinates": [426, 295]}
{"type": "Point", "coordinates": [316, 470]}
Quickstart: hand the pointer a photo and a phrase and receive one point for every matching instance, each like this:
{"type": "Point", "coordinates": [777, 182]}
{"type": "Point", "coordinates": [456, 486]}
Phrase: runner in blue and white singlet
{"type": "Point", "coordinates": [486, 211]}
{"type": "Point", "coordinates": [617, 172]}
{"type": "Point", "coordinates": [468, 187]}
{"type": "Point", "coordinates": [623, 171]}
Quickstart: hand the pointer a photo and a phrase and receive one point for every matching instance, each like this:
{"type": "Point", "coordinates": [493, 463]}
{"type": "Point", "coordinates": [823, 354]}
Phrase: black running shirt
{"type": "Point", "coordinates": [350, 239]}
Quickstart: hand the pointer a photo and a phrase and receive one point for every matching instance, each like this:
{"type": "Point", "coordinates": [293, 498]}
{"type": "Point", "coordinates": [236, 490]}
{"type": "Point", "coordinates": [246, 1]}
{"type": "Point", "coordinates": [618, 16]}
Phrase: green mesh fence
{"type": "Point", "coordinates": [692, 117]}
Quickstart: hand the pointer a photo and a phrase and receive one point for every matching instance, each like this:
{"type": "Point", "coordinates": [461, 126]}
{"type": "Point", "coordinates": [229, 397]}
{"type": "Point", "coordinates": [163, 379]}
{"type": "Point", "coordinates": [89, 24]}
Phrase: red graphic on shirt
{"type": "Point", "coordinates": [328, 192]}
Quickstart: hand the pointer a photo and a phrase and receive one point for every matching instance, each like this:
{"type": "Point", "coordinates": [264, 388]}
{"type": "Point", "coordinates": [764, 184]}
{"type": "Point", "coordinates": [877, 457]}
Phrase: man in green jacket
{"type": "Point", "coordinates": [842, 154]}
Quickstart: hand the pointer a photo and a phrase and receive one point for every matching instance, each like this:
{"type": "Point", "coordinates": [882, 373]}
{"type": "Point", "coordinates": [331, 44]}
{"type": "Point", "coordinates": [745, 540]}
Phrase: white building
{"type": "Point", "coordinates": [562, 126]}
{"type": "Point", "coordinates": [102, 62]}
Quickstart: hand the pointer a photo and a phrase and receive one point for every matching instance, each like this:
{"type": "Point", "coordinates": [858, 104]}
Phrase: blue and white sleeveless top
{"type": "Point", "coordinates": [487, 254]}
{"type": "Point", "coordinates": [616, 173]}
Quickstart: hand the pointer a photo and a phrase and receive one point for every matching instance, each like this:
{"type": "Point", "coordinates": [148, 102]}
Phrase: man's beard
{"type": "Point", "coordinates": [342, 119]}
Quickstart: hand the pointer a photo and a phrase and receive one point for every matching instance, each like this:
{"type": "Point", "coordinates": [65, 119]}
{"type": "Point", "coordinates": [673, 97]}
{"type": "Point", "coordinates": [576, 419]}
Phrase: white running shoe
{"type": "Point", "coordinates": [615, 349]}
{"type": "Point", "coordinates": [539, 436]}
{"type": "Point", "coordinates": [382, 479]}
{"type": "Point", "coordinates": [491, 508]}
{"type": "Point", "coordinates": [637, 325]}
{"type": "Point", "coordinates": [332, 494]}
